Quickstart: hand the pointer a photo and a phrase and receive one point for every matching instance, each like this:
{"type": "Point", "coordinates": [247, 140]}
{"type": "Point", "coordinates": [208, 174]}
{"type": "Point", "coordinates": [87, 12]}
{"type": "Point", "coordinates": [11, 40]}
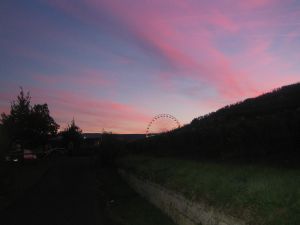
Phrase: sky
{"type": "Point", "coordinates": [115, 64]}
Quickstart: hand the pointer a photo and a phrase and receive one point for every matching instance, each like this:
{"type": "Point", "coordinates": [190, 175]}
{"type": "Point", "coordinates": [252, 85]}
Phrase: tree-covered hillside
{"type": "Point", "coordinates": [266, 128]}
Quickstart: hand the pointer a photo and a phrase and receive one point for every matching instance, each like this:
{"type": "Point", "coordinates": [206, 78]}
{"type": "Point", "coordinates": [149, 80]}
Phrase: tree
{"type": "Point", "coordinates": [72, 136]}
{"type": "Point", "coordinates": [43, 125]}
{"type": "Point", "coordinates": [30, 126]}
{"type": "Point", "coordinates": [16, 124]}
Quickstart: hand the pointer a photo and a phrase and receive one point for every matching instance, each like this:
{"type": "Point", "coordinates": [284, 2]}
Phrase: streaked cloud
{"type": "Point", "coordinates": [141, 54]}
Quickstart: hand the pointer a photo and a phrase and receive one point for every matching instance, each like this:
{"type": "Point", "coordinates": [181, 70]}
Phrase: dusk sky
{"type": "Point", "coordinates": [115, 64]}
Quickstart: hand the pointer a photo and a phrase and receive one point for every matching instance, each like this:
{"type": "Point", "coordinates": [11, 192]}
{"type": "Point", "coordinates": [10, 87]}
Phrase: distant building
{"type": "Point", "coordinates": [92, 139]}
{"type": "Point", "coordinates": [129, 137]}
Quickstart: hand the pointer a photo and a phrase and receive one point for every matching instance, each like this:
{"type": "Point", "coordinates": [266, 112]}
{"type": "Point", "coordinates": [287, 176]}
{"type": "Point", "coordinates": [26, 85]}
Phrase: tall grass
{"type": "Point", "coordinates": [256, 194]}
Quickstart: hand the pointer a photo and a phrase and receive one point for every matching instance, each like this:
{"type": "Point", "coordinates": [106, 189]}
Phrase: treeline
{"type": "Point", "coordinates": [32, 127]}
{"type": "Point", "coordinates": [266, 128]}
{"type": "Point", "coordinates": [28, 125]}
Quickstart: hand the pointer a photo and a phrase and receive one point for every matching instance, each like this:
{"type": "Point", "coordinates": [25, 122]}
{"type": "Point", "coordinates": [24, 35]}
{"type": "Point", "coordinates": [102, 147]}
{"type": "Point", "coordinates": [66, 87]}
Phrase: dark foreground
{"type": "Point", "coordinates": [67, 195]}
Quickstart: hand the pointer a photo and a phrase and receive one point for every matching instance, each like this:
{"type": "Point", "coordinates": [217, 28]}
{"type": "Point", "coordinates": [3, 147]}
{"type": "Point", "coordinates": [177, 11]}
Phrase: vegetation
{"type": "Point", "coordinates": [72, 136]}
{"type": "Point", "coordinates": [125, 207]}
{"type": "Point", "coordinates": [242, 159]}
{"type": "Point", "coordinates": [266, 128]}
{"type": "Point", "coordinates": [257, 194]}
{"type": "Point", "coordinates": [31, 126]}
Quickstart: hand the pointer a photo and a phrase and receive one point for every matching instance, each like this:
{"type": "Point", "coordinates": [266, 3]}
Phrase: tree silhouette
{"type": "Point", "coordinates": [30, 126]}
{"type": "Point", "coordinates": [72, 136]}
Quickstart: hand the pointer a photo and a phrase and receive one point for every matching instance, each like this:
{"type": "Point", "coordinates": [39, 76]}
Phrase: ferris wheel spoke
{"type": "Point", "coordinates": [162, 123]}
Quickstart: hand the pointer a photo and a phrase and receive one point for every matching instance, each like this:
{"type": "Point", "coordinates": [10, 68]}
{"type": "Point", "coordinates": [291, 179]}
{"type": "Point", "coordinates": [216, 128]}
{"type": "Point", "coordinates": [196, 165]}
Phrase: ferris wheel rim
{"type": "Point", "coordinates": [163, 115]}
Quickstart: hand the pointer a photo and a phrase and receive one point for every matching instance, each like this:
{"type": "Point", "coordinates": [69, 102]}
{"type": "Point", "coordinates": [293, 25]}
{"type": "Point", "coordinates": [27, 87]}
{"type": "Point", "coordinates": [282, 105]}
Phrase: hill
{"type": "Point", "coordinates": [265, 128]}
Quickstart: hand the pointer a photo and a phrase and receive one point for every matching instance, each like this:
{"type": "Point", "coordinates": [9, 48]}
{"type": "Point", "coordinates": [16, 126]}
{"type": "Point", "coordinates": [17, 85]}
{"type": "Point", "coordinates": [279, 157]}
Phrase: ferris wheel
{"type": "Point", "coordinates": [161, 123]}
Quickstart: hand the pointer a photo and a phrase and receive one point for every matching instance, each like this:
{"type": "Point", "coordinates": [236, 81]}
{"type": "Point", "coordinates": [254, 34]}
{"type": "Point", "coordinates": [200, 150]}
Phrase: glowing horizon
{"type": "Point", "coordinates": [114, 65]}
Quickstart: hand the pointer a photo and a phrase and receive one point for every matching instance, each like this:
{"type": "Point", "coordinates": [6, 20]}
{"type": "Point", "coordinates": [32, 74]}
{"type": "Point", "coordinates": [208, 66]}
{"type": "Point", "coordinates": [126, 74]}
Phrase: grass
{"type": "Point", "coordinates": [257, 194]}
{"type": "Point", "coordinates": [124, 206]}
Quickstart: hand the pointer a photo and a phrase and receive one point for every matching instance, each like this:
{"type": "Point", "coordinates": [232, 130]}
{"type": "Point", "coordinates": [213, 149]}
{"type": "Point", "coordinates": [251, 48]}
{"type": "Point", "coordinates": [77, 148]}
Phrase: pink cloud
{"type": "Point", "coordinates": [190, 40]}
{"type": "Point", "coordinates": [102, 113]}
{"type": "Point", "coordinates": [165, 37]}
{"type": "Point", "coordinates": [93, 115]}
{"type": "Point", "coordinates": [256, 4]}
{"type": "Point", "coordinates": [84, 78]}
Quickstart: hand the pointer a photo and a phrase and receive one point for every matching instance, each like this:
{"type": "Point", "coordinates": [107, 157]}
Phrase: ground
{"type": "Point", "coordinates": [67, 194]}
{"type": "Point", "coordinates": [125, 206]}
{"type": "Point", "coordinates": [254, 193]}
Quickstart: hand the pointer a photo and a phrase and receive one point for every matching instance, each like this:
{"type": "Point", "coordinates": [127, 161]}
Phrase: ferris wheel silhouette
{"type": "Point", "coordinates": [161, 123]}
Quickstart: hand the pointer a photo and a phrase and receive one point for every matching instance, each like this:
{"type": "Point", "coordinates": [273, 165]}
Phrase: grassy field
{"type": "Point", "coordinates": [257, 194]}
{"type": "Point", "coordinates": [124, 206]}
